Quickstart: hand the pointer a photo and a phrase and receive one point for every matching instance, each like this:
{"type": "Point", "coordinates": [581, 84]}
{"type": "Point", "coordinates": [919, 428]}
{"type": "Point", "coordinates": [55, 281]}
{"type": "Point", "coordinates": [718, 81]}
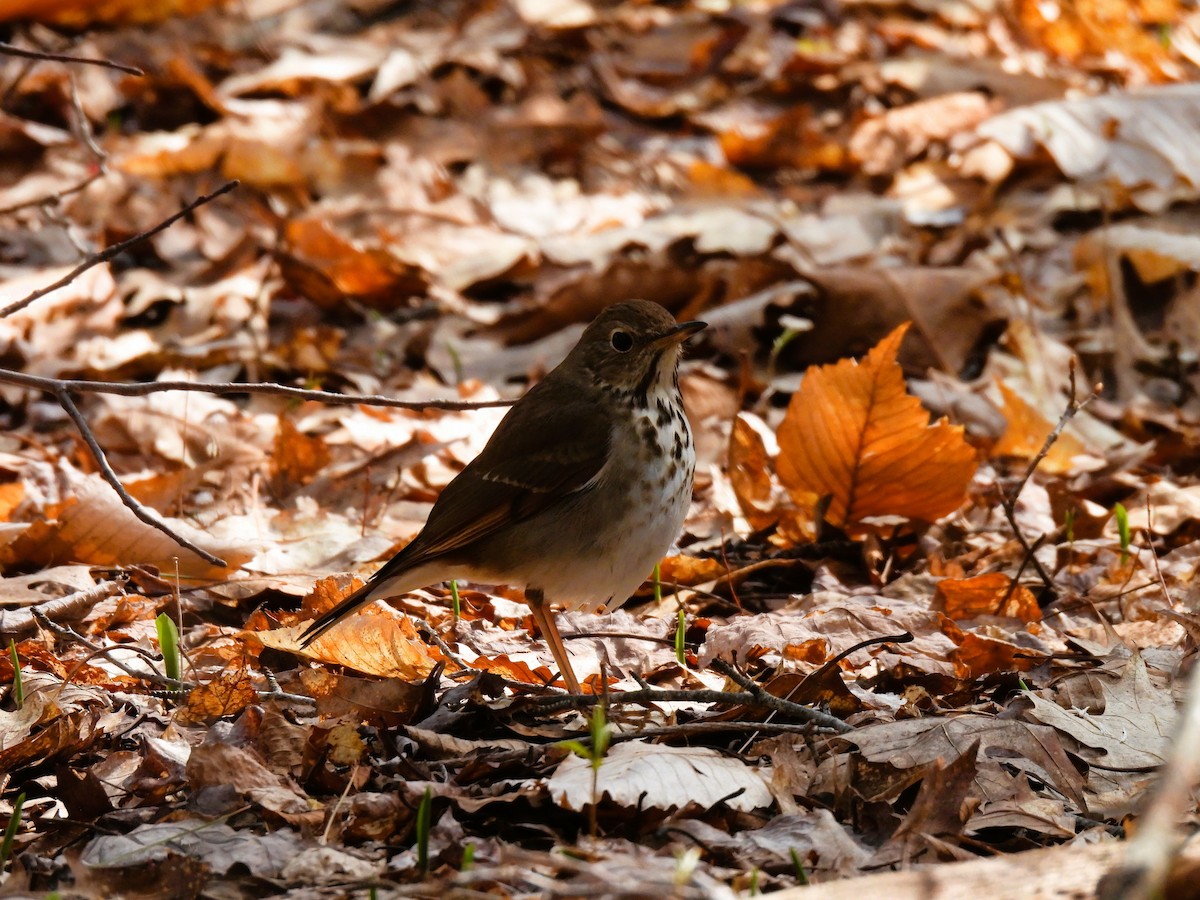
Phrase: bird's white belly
{"type": "Point", "coordinates": [617, 544]}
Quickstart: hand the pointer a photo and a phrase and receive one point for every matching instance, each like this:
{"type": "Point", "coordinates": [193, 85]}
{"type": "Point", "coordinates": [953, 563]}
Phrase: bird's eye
{"type": "Point", "coordinates": [621, 341]}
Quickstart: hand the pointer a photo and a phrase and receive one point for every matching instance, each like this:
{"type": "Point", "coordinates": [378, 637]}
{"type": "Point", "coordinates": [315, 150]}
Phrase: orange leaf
{"type": "Point", "coordinates": [749, 473]}
{"type": "Point", "coordinates": [228, 695]}
{"type": "Point", "coordinates": [854, 432]}
{"type": "Point", "coordinates": [297, 457]}
{"type": "Point", "coordinates": [992, 594]}
{"type": "Point", "coordinates": [1027, 431]}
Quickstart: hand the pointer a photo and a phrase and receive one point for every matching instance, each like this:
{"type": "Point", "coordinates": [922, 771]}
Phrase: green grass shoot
{"type": "Point", "coordinates": [681, 639]}
{"type": "Point", "coordinates": [10, 832]}
{"type": "Point", "coordinates": [1122, 531]}
{"type": "Point", "coordinates": [455, 602]}
{"type": "Point", "coordinates": [798, 866]}
{"type": "Point", "coordinates": [594, 752]}
{"type": "Point", "coordinates": [168, 643]}
{"type": "Point", "coordinates": [658, 582]}
{"type": "Point", "coordinates": [468, 860]}
{"type": "Point", "coordinates": [18, 684]}
{"type": "Point", "coordinates": [424, 824]}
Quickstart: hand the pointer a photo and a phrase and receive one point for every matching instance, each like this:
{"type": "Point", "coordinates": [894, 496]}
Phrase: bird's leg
{"type": "Point", "coordinates": [545, 621]}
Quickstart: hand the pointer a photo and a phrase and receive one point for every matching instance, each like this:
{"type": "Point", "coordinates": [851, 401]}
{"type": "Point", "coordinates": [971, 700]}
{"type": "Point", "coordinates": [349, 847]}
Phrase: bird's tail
{"type": "Point", "coordinates": [323, 623]}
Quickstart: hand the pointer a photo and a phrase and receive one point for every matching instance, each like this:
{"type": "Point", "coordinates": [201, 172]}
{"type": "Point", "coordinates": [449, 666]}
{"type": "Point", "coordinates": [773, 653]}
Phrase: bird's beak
{"type": "Point", "coordinates": [678, 334]}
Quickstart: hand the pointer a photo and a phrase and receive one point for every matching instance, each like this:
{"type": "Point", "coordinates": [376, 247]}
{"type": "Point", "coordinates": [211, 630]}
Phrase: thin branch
{"type": "Point", "coordinates": [10, 50]}
{"type": "Point", "coordinates": [14, 623]}
{"type": "Point", "coordinates": [65, 631]}
{"type": "Point", "coordinates": [763, 697]}
{"type": "Point", "coordinates": [1009, 503]}
{"type": "Point", "coordinates": [752, 695]}
{"type": "Point", "coordinates": [115, 250]}
{"type": "Point", "coordinates": [144, 389]}
{"type": "Point", "coordinates": [55, 198]}
{"type": "Point", "coordinates": [106, 472]}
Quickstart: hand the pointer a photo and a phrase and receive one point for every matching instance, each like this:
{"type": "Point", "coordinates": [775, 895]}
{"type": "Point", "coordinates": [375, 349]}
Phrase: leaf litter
{"type": "Point", "coordinates": [433, 200]}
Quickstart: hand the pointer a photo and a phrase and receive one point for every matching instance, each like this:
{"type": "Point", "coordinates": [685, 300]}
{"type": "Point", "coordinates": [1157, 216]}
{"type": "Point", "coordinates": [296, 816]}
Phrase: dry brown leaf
{"type": "Point", "coordinates": [83, 13]}
{"type": "Point", "coordinates": [374, 641]}
{"type": "Point", "coordinates": [94, 526]}
{"type": "Point", "coordinates": [689, 570]}
{"type": "Point", "coordinates": [1095, 28]}
{"type": "Point", "coordinates": [992, 594]}
{"type": "Point", "coordinates": [225, 696]}
{"type": "Point", "coordinates": [501, 665]}
{"type": "Point", "coordinates": [297, 457]}
{"type": "Point", "coordinates": [977, 656]}
{"type": "Point", "coordinates": [852, 431]}
{"type": "Point", "coordinates": [637, 774]}
{"type": "Point", "coordinates": [329, 268]}
{"type": "Point", "coordinates": [750, 474]}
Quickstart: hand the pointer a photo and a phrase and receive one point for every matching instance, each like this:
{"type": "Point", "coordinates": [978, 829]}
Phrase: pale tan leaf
{"type": "Point", "coordinates": [637, 773]}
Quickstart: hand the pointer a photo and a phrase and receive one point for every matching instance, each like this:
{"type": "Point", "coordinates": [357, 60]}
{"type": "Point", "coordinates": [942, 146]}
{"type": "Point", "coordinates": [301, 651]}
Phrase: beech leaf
{"type": "Point", "coordinates": [854, 432]}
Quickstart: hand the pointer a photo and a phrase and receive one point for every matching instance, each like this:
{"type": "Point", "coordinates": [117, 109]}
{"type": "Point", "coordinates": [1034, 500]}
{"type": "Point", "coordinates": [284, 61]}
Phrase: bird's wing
{"type": "Point", "coordinates": [523, 469]}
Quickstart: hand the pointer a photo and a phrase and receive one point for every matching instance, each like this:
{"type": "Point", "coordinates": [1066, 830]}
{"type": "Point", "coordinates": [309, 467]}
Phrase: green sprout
{"type": "Point", "coordinates": [424, 824]}
{"type": "Point", "coordinates": [594, 752]}
{"type": "Point", "coordinates": [168, 643]}
{"type": "Point", "coordinates": [681, 639]}
{"type": "Point", "coordinates": [1122, 531]}
{"type": "Point", "coordinates": [455, 602]}
{"type": "Point", "coordinates": [18, 684]}
{"type": "Point", "coordinates": [10, 832]}
{"type": "Point", "coordinates": [798, 866]}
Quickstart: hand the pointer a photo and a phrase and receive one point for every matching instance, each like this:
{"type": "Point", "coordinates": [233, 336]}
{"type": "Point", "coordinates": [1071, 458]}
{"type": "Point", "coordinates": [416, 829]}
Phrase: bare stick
{"type": "Point", "coordinates": [106, 472]}
{"type": "Point", "coordinates": [56, 197]}
{"type": "Point", "coordinates": [115, 250]}
{"type": "Point", "coordinates": [69, 633]}
{"type": "Point", "coordinates": [144, 389]}
{"type": "Point", "coordinates": [19, 622]}
{"type": "Point", "coordinates": [10, 50]}
{"type": "Point", "coordinates": [1009, 502]}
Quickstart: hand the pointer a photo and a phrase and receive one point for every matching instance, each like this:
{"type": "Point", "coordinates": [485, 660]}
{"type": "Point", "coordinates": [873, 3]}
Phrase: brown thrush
{"type": "Point", "coordinates": [580, 490]}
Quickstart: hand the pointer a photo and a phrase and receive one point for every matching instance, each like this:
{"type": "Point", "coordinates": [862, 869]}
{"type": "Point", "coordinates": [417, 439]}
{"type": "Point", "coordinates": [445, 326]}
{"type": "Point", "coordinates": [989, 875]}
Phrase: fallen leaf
{"type": "Point", "coordinates": [1027, 432]}
{"type": "Point", "coordinates": [991, 594]}
{"type": "Point", "coordinates": [853, 432]}
{"type": "Point", "coordinates": [639, 774]}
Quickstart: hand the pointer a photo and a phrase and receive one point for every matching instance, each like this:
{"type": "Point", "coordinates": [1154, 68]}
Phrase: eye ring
{"type": "Point", "coordinates": [621, 341]}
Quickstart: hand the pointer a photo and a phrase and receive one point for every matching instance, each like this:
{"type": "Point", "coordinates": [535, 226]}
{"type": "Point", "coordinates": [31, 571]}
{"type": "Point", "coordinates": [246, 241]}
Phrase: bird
{"type": "Point", "coordinates": [579, 492]}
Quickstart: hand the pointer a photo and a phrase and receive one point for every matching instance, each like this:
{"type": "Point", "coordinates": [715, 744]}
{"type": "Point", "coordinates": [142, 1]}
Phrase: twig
{"type": "Point", "coordinates": [82, 124]}
{"type": "Point", "coordinates": [763, 697]}
{"type": "Point", "coordinates": [752, 696]}
{"type": "Point", "coordinates": [432, 634]}
{"type": "Point", "coordinates": [116, 250]}
{"type": "Point", "coordinates": [15, 623]}
{"type": "Point", "coordinates": [691, 728]}
{"type": "Point", "coordinates": [56, 197]}
{"type": "Point", "coordinates": [65, 631]}
{"type": "Point", "coordinates": [11, 50]}
{"type": "Point", "coordinates": [145, 389]}
{"type": "Point", "coordinates": [1009, 502]}
{"type": "Point", "coordinates": [275, 692]}
{"type": "Point", "coordinates": [106, 472]}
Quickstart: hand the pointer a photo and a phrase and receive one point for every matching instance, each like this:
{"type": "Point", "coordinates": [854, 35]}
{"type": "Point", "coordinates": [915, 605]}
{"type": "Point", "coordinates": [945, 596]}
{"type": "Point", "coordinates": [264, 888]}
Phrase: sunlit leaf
{"type": "Point", "coordinates": [854, 432]}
